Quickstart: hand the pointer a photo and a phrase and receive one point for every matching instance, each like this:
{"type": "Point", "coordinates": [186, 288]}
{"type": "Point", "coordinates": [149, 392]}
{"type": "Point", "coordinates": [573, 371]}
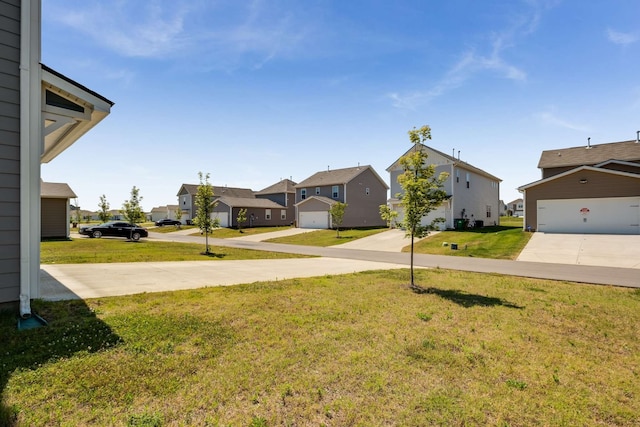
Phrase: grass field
{"type": "Point", "coordinates": [352, 350]}
{"type": "Point", "coordinates": [86, 250]}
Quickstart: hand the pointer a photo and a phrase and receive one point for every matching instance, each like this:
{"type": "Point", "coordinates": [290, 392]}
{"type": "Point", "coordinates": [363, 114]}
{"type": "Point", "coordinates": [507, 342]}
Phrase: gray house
{"type": "Point", "coordinates": [474, 195]}
{"type": "Point", "coordinates": [283, 193]}
{"type": "Point", "coordinates": [55, 213]}
{"type": "Point", "coordinates": [42, 113]}
{"type": "Point", "coordinates": [260, 212]}
{"type": "Point", "coordinates": [187, 197]}
{"type": "Point", "coordinates": [361, 188]}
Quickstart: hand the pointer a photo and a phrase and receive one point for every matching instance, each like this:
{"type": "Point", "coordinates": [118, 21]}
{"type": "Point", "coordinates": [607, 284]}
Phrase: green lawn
{"type": "Point", "coordinates": [488, 242]}
{"type": "Point", "coordinates": [350, 350]}
{"type": "Point", "coordinates": [86, 250]}
{"type": "Point", "coordinates": [225, 233]}
{"type": "Point", "coordinates": [327, 237]}
{"type": "Point", "coordinates": [511, 221]}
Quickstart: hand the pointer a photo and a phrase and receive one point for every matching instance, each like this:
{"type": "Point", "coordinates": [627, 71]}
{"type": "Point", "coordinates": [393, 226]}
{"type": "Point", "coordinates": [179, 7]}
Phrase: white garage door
{"type": "Point", "coordinates": [590, 216]}
{"type": "Point", "coordinates": [439, 212]}
{"type": "Point", "coordinates": [223, 218]}
{"type": "Point", "coordinates": [318, 220]}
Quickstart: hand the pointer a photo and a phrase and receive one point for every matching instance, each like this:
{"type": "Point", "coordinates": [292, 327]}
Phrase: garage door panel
{"type": "Point", "coordinates": [223, 218]}
{"type": "Point", "coordinates": [590, 216]}
{"type": "Point", "coordinates": [314, 219]}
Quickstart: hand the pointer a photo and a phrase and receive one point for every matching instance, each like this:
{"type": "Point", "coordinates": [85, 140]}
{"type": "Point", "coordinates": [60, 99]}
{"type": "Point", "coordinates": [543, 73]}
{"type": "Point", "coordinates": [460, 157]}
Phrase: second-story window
{"type": "Point", "coordinates": [334, 192]}
{"type": "Point", "coordinates": [303, 194]}
{"type": "Point", "coordinates": [468, 180]}
{"type": "Point", "coordinates": [367, 191]}
{"type": "Point", "coordinates": [317, 191]}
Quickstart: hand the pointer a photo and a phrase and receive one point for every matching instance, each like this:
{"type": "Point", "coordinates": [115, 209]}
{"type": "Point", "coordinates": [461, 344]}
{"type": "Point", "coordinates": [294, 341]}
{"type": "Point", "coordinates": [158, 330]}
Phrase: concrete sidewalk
{"type": "Point", "coordinates": [72, 281]}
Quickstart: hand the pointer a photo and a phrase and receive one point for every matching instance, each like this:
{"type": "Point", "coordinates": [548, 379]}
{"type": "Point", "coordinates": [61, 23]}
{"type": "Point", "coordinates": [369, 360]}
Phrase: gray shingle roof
{"type": "Point", "coordinates": [221, 191]}
{"type": "Point", "coordinates": [284, 186]}
{"type": "Point", "coordinates": [579, 156]}
{"type": "Point", "coordinates": [56, 190]}
{"type": "Point", "coordinates": [249, 202]}
{"type": "Point", "coordinates": [334, 177]}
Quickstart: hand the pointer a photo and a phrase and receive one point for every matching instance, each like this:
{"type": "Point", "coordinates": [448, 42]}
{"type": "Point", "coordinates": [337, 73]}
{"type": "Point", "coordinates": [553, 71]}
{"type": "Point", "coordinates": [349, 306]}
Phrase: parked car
{"type": "Point", "coordinates": [115, 229]}
{"type": "Point", "coordinates": [167, 222]}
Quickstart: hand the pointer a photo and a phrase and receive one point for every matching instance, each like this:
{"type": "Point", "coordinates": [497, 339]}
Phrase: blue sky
{"type": "Point", "coordinates": [256, 91]}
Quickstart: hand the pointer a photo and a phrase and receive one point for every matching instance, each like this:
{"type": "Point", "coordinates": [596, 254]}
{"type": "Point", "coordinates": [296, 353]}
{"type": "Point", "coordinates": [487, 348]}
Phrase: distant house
{"type": "Point", "coordinates": [586, 189]}
{"type": "Point", "coordinates": [515, 208]}
{"type": "Point", "coordinates": [187, 197]}
{"type": "Point", "coordinates": [55, 210]}
{"type": "Point", "coordinates": [260, 212]}
{"type": "Point", "coordinates": [283, 193]}
{"type": "Point", "coordinates": [473, 194]}
{"type": "Point", "coordinates": [164, 212]}
{"type": "Point", "coordinates": [361, 188]}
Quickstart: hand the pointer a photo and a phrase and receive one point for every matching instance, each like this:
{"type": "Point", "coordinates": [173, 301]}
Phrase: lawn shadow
{"type": "Point", "coordinates": [465, 299]}
{"type": "Point", "coordinates": [72, 327]}
{"type": "Point", "coordinates": [213, 254]}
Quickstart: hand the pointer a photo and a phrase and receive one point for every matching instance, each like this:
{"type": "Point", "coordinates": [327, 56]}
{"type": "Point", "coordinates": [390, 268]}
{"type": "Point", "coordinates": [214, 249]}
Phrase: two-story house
{"type": "Point", "coordinates": [360, 187]}
{"type": "Point", "coordinates": [187, 198]}
{"type": "Point", "coordinates": [586, 189]}
{"type": "Point", "coordinates": [473, 194]}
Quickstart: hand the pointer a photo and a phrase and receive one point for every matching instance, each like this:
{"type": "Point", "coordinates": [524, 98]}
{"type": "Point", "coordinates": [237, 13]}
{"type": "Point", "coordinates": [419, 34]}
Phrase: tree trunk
{"type": "Point", "coordinates": [412, 234]}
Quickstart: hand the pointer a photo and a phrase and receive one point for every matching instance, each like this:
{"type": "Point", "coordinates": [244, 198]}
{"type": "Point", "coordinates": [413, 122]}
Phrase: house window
{"type": "Point", "coordinates": [334, 192]}
{"type": "Point", "coordinates": [366, 191]}
{"type": "Point", "coordinates": [317, 191]}
{"type": "Point", "coordinates": [468, 179]}
{"type": "Point", "coordinates": [488, 211]}
{"type": "Point", "coordinates": [267, 214]}
{"type": "Point", "coordinates": [457, 175]}
{"type": "Point", "coordinates": [303, 193]}
{"type": "Point", "coordinates": [283, 214]}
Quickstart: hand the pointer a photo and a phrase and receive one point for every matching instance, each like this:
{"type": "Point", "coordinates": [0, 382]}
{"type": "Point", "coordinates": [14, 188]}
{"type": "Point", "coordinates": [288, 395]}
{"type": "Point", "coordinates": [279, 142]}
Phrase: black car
{"type": "Point", "coordinates": [167, 222]}
{"type": "Point", "coordinates": [115, 229]}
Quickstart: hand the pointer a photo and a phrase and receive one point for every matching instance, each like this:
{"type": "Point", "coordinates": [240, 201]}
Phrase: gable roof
{"type": "Point", "coordinates": [590, 155]}
{"type": "Point", "coordinates": [575, 170]}
{"type": "Point", "coordinates": [56, 190]}
{"type": "Point", "coordinates": [323, 199]}
{"type": "Point", "coordinates": [337, 176]}
{"type": "Point", "coordinates": [249, 202]}
{"type": "Point", "coordinates": [283, 186]}
{"type": "Point", "coordinates": [450, 159]}
{"type": "Point", "coordinates": [218, 191]}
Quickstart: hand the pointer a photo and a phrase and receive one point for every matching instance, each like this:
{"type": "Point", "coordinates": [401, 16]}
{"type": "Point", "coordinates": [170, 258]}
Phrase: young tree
{"type": "Point", "coordinates": [131, 209]}
{"type": "Point", "coordinates": [421, 190]}
{"type": "Point", "coordinates": [388, 215]}
{"type": "Point", "coordinates": [241, 218]}
{"type": "Point", "coordinates": [103, 213]}
{"type": "Point", "coordinates": [337, 215]}
{"type": "Point", "coordinates": [204, 204]}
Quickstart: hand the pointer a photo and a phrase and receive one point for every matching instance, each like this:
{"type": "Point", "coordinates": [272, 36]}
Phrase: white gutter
{"type": "Point", "coordinates": [31, 143]}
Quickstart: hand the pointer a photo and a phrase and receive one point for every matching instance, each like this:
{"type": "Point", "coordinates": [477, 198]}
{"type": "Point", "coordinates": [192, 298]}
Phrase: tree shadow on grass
{"type": "Point", "coordinates": [213, 254]}
{"type": "Point", "coordinates": [465, 299]}
{"type": "Point", "coordinates": [72, 327]}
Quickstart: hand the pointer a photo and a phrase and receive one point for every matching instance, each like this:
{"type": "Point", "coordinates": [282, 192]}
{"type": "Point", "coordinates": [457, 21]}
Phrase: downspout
{"type": "Point", "coordinates": [31, 145]}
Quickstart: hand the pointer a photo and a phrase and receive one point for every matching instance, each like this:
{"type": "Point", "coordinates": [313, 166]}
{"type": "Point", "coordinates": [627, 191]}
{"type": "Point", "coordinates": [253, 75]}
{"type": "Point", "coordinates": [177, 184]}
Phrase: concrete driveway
{"type": "Point", "coordinates": [608, 250]}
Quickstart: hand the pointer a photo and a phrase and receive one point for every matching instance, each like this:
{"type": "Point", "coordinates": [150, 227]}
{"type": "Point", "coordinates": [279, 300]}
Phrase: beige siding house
{"type": "Point", "coordinates": [474, 195]}
{"type": "Point", "coordinates": [586, 189]}
{"type": "Point", "coordinates": [361, 188]}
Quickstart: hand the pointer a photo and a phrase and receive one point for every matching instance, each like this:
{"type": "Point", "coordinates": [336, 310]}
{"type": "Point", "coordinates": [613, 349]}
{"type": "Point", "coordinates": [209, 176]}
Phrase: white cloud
{"type": "Point", "coordinates": [550, 118]}
{"type": "Point", "coordinates": [622, 38]}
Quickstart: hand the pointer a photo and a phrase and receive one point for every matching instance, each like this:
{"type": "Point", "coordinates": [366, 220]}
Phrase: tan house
{"type": "Point", "coordinates": [55, 210]}
{"type": "Point", "coordinates": [586, 189]}
{"type": "Point", "coordinates": [361, 188]}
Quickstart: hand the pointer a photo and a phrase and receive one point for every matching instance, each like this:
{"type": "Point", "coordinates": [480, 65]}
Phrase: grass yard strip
{"type": "Point", "coordinates": [497, 242]}
{"type": "Point", "coordinates": [227, 233]}
{"type": "Point", "coordinates": [357, 349]}
{"type": "Point", "coordinates": [105, 250]}
{"type": "Point", "coordinates": [166, 229]}
{"type": "Point", "coordinates": [327, 237]}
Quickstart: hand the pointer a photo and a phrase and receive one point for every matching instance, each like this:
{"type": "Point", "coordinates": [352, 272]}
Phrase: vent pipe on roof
{"type": "Point", "coordinates": [637, 136]}
{"type": "Point", "coordinates": [458, 154]}
{"type": "Point", "coordinates": [454, 153]}
{"type": "Point", "coordinates": [588, 143]}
